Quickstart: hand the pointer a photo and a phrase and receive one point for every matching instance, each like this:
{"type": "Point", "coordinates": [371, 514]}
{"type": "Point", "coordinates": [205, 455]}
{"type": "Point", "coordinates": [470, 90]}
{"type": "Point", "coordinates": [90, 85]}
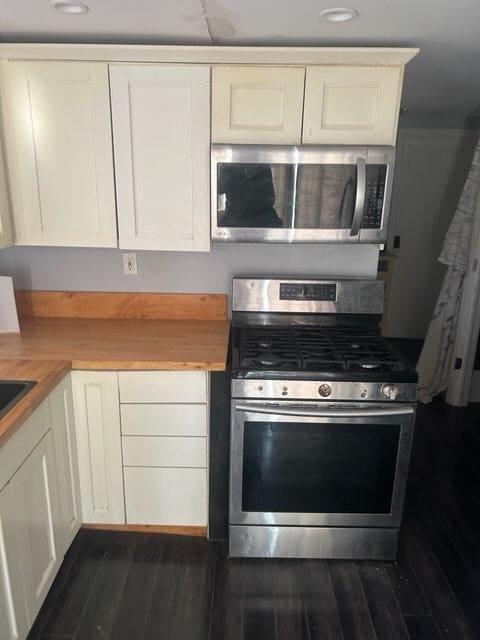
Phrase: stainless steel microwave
{"type": "Point", "coordinates": [301, 194]}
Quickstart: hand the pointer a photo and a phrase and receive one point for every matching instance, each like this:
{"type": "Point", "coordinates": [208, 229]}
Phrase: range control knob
{"type": "Point", "coordinates": [390, 391]}
{"type": "Point", "coordinates": [324, 390]}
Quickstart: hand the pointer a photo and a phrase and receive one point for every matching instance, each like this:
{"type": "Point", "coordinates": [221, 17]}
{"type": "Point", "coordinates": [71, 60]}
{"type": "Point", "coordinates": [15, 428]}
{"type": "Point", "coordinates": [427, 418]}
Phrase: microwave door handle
{"type": "Point", "coordinates": [360, 196]}
{"type": "Point", "coordinates": [326, 413]}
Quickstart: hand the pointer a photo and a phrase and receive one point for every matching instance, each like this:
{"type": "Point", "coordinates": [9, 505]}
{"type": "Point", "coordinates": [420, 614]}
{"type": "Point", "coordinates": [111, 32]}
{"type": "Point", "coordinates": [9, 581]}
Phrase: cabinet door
{"type": "Point", "coordinates": [161, 132]}
{"type": "Point", "coordinates": [65, 443]}
{"type": "Point", "coordinates": [13, 613]}
{"type": "Point", "coordinates": [34, 492]}
{"type": "Point", "coordinates": [97, 422]}
{"type": "Point", "coordinates": [60, 153]}
{"type": "Point", "coordinates": [257, 105]}
{"type": "Point", "coordinates": [5, 213]}
{"type": "Point", "coordinates": [351, 105]}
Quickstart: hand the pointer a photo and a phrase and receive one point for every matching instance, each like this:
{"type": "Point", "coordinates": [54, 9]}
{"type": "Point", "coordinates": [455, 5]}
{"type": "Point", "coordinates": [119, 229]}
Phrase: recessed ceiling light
{"type": "Point", "coordinates": [339, 14]}
{"type": "Point", "coordinates": [66, 6]}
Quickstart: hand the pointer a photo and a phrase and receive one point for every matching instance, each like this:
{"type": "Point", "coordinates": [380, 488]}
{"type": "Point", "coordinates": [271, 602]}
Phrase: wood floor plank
{"type": "Point", "coordinates": [164, 611]}
{"type": "Point", "coordinates": [290, 615]}
{"type": "Point", "coordinates": [258, 600]}
{"type": "Point", "coordinates": [320, 602]}
{"type": "Point", "coordinates": [227, 616]}
{"type": "Point", "coordinates": [440, 598]}
{"type": "Point", "coordinates": [405, 586]}
{"type": "Point", "coordinates": [422, 628]}
{"type": "Point", "coordinates": [72, 600]}
{"type": "Point", "coordinates": [97, 617]}
{"type": "Point", "coordinates": [196, 599]}
{"type": "Point", "coordinates": [382, 604]}
{"type": "Point", "coordinates": [352, 606]}
{"type": "Point", "coordinates": [130, 617]}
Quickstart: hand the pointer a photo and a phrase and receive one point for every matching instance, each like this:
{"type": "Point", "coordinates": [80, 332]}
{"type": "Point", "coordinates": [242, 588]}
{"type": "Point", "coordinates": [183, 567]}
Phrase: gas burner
{"type": "Point", "coordinates": [269, 362]}
{"type": "Point", "coordinates": [370, 365]}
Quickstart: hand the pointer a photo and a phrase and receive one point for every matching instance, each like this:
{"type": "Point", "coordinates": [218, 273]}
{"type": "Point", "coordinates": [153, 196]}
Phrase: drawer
{"type": "Point", "coordinates": [146, 451]}
{"type": "Point", "coordinates": [163, 386]}
{"type": "Point", "coordinates": [166, 496]}
{"type": "Point", "coordinates": [164, 419]}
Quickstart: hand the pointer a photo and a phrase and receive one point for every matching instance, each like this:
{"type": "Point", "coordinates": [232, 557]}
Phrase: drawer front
{"type": "Point", "coordinates": [164, 452]}
{"type": "Point", "coordinates": [166, 496]}
{"type": "Point", "coordinates": [164, 419]}
{"type": "Point", "coordinates": [162, 386]}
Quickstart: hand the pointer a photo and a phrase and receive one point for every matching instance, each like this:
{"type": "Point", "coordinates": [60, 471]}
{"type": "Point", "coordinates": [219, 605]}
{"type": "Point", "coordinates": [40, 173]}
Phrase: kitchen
{"type": "Point", "coordinates": [204, 433]}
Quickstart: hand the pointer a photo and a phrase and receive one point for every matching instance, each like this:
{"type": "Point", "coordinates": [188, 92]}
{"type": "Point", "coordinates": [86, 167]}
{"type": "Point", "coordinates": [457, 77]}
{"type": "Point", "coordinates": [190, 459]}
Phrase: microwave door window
{"type": "Point", "coordinates": [255, 195]}
{"type": "Point", "coordinates": [325, 196]}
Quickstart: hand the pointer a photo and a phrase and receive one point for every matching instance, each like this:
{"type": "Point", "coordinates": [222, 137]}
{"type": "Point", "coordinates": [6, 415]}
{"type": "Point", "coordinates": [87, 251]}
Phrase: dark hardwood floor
{"type": "Point", "coordinates": [145, 586]}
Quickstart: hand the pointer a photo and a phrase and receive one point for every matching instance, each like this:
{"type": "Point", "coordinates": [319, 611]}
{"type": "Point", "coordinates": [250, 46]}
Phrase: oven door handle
{"type": "Point", "coordinates": [360, 196]}
{"type": "Point", "coordinates": [327, 413]}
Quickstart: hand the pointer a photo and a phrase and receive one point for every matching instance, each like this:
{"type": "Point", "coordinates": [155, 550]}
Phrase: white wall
{"type": "Point", "coordinates": [101, 269]}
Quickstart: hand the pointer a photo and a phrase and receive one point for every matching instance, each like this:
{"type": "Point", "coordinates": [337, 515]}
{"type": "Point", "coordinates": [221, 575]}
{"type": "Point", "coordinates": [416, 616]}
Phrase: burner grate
{"type": "Point", "coordinates": [312, 348]}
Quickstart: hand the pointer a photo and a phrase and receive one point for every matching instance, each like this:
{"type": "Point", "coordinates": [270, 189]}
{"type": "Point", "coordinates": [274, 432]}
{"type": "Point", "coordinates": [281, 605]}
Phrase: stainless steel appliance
{"type": "Point", "coordinates": [301, 194]}
{"type": "Point", "coordinates": [322, 418]}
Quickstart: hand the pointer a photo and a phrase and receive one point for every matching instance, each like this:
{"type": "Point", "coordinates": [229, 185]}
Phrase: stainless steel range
{"type": "Point", "coordinates": [323, 410]}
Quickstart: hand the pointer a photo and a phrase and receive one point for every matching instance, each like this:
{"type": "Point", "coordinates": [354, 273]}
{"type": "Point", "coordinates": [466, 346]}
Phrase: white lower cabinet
{"type": "Point", "coordinates": [97, 422]}
{"type": "Point", "coordinates": [35, 495]}
{"type": "Point", "coordinates": [13, 611]}
{"type": "Point", "coordinates": [66, 460]}
{"type": "Point", "coordinates": [164, 443]}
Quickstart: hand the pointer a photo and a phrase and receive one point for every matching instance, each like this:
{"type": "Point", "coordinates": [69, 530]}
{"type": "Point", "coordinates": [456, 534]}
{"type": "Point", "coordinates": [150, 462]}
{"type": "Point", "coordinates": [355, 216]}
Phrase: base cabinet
{"type": "Point", "coordinates": [35, 496]}
{"type": "Point", "coordinates": [97, 423]}
{"type": "Point", "coordinates": [14, 623]}
{"type": "Point", "coordinates": [66, 460]}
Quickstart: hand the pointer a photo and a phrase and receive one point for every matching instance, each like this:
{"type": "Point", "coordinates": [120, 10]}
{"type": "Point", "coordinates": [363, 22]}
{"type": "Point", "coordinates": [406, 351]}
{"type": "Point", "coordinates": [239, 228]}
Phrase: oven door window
{"type": "Point", "coordinates": [286, 196]}
{"type": "Point", "coordinates": [298, 467]}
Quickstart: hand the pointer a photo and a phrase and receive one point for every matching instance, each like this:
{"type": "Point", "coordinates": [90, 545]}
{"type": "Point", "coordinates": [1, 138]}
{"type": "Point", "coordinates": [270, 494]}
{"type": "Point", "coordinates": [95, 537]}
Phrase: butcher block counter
{"type": "Point", "coordinates": [60, 331]}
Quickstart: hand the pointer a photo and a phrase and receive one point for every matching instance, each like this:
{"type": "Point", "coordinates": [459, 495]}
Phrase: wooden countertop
{"type": "Point", "coordinates": [46, 373]}
{"type": "Point", "coordinates": [97, 344]}
{"type": "Point", "coordinates": [60, 331]}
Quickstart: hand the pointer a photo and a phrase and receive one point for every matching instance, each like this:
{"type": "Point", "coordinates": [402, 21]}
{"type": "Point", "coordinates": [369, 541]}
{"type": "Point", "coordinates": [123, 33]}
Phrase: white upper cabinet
{"type": "Point", "coordinates": [257, 105]}
{"type": "Point", "coordinates": [5, 213]}
{"type": "Point", "coordinates": [161, 132]}
{"type": "Point", "coordinates": [351, 105]}
{"type": "Point", "coordinates": [59, 150]}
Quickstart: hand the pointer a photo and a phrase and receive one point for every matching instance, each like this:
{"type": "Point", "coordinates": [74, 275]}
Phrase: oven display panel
{"type": "Point", "coordinates": [308, 291]}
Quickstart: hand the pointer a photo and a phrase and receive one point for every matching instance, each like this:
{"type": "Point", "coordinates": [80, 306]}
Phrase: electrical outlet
{"type": "Point", "coordinates": [130, 264]}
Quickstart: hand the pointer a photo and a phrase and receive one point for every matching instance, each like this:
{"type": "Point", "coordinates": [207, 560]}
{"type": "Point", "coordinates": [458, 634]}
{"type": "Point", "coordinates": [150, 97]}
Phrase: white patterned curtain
{"type": "Point", "coordinates": [435, 360]}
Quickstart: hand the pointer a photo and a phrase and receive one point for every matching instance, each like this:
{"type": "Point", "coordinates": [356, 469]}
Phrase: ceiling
{"type": "Point", "coordinates": [442, 84]}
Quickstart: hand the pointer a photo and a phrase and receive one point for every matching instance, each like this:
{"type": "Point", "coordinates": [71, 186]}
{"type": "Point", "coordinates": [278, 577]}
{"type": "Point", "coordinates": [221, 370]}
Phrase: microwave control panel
{"type": "Point", "coordinates": [374, 196]}
{"type": "Point", "coordinates": [304, 291]}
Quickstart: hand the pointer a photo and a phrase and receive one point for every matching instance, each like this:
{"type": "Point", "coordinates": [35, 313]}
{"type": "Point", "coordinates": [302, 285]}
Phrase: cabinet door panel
{"type": "Point", "coordinates": [257, 105]}
{"type": "Point", "coordinates": [164, 451]}
{"type": "Point", "coordinates": [351, 105]}
{"type": "Point", "coordinates": [65, 443]}
{"type": "Point", "coordinates": [164, 419]}
{"type": "Point", "coordinates": [163, 386]}
{"type": "Point", "coordinates": [13, 613]}
{"type": "Point", "coordinates": [161, 130]}
{"type": "Point", "coordinates": [5, 211]}
{"type": "Point", "coordinates": [166, 496]}
{"type": "Point", "coordinates": [97, 422]}
{"type": "Point", "coordinates": [34, 491]}
{"type": "Point", "coordinates": [61, 153]}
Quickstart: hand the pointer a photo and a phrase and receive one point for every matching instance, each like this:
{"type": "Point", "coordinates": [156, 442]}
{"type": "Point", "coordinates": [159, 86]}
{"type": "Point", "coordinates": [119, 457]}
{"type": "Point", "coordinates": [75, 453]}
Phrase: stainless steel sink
{"type": "Point", "coordinates": [11, 391]}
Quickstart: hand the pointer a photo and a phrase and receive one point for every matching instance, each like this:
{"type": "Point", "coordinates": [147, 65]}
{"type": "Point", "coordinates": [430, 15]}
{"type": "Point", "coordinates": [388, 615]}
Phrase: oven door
{"type": "Point", "coordinates": [319, 465]}
{"type": "Point", "coordinates": [301, 194]}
